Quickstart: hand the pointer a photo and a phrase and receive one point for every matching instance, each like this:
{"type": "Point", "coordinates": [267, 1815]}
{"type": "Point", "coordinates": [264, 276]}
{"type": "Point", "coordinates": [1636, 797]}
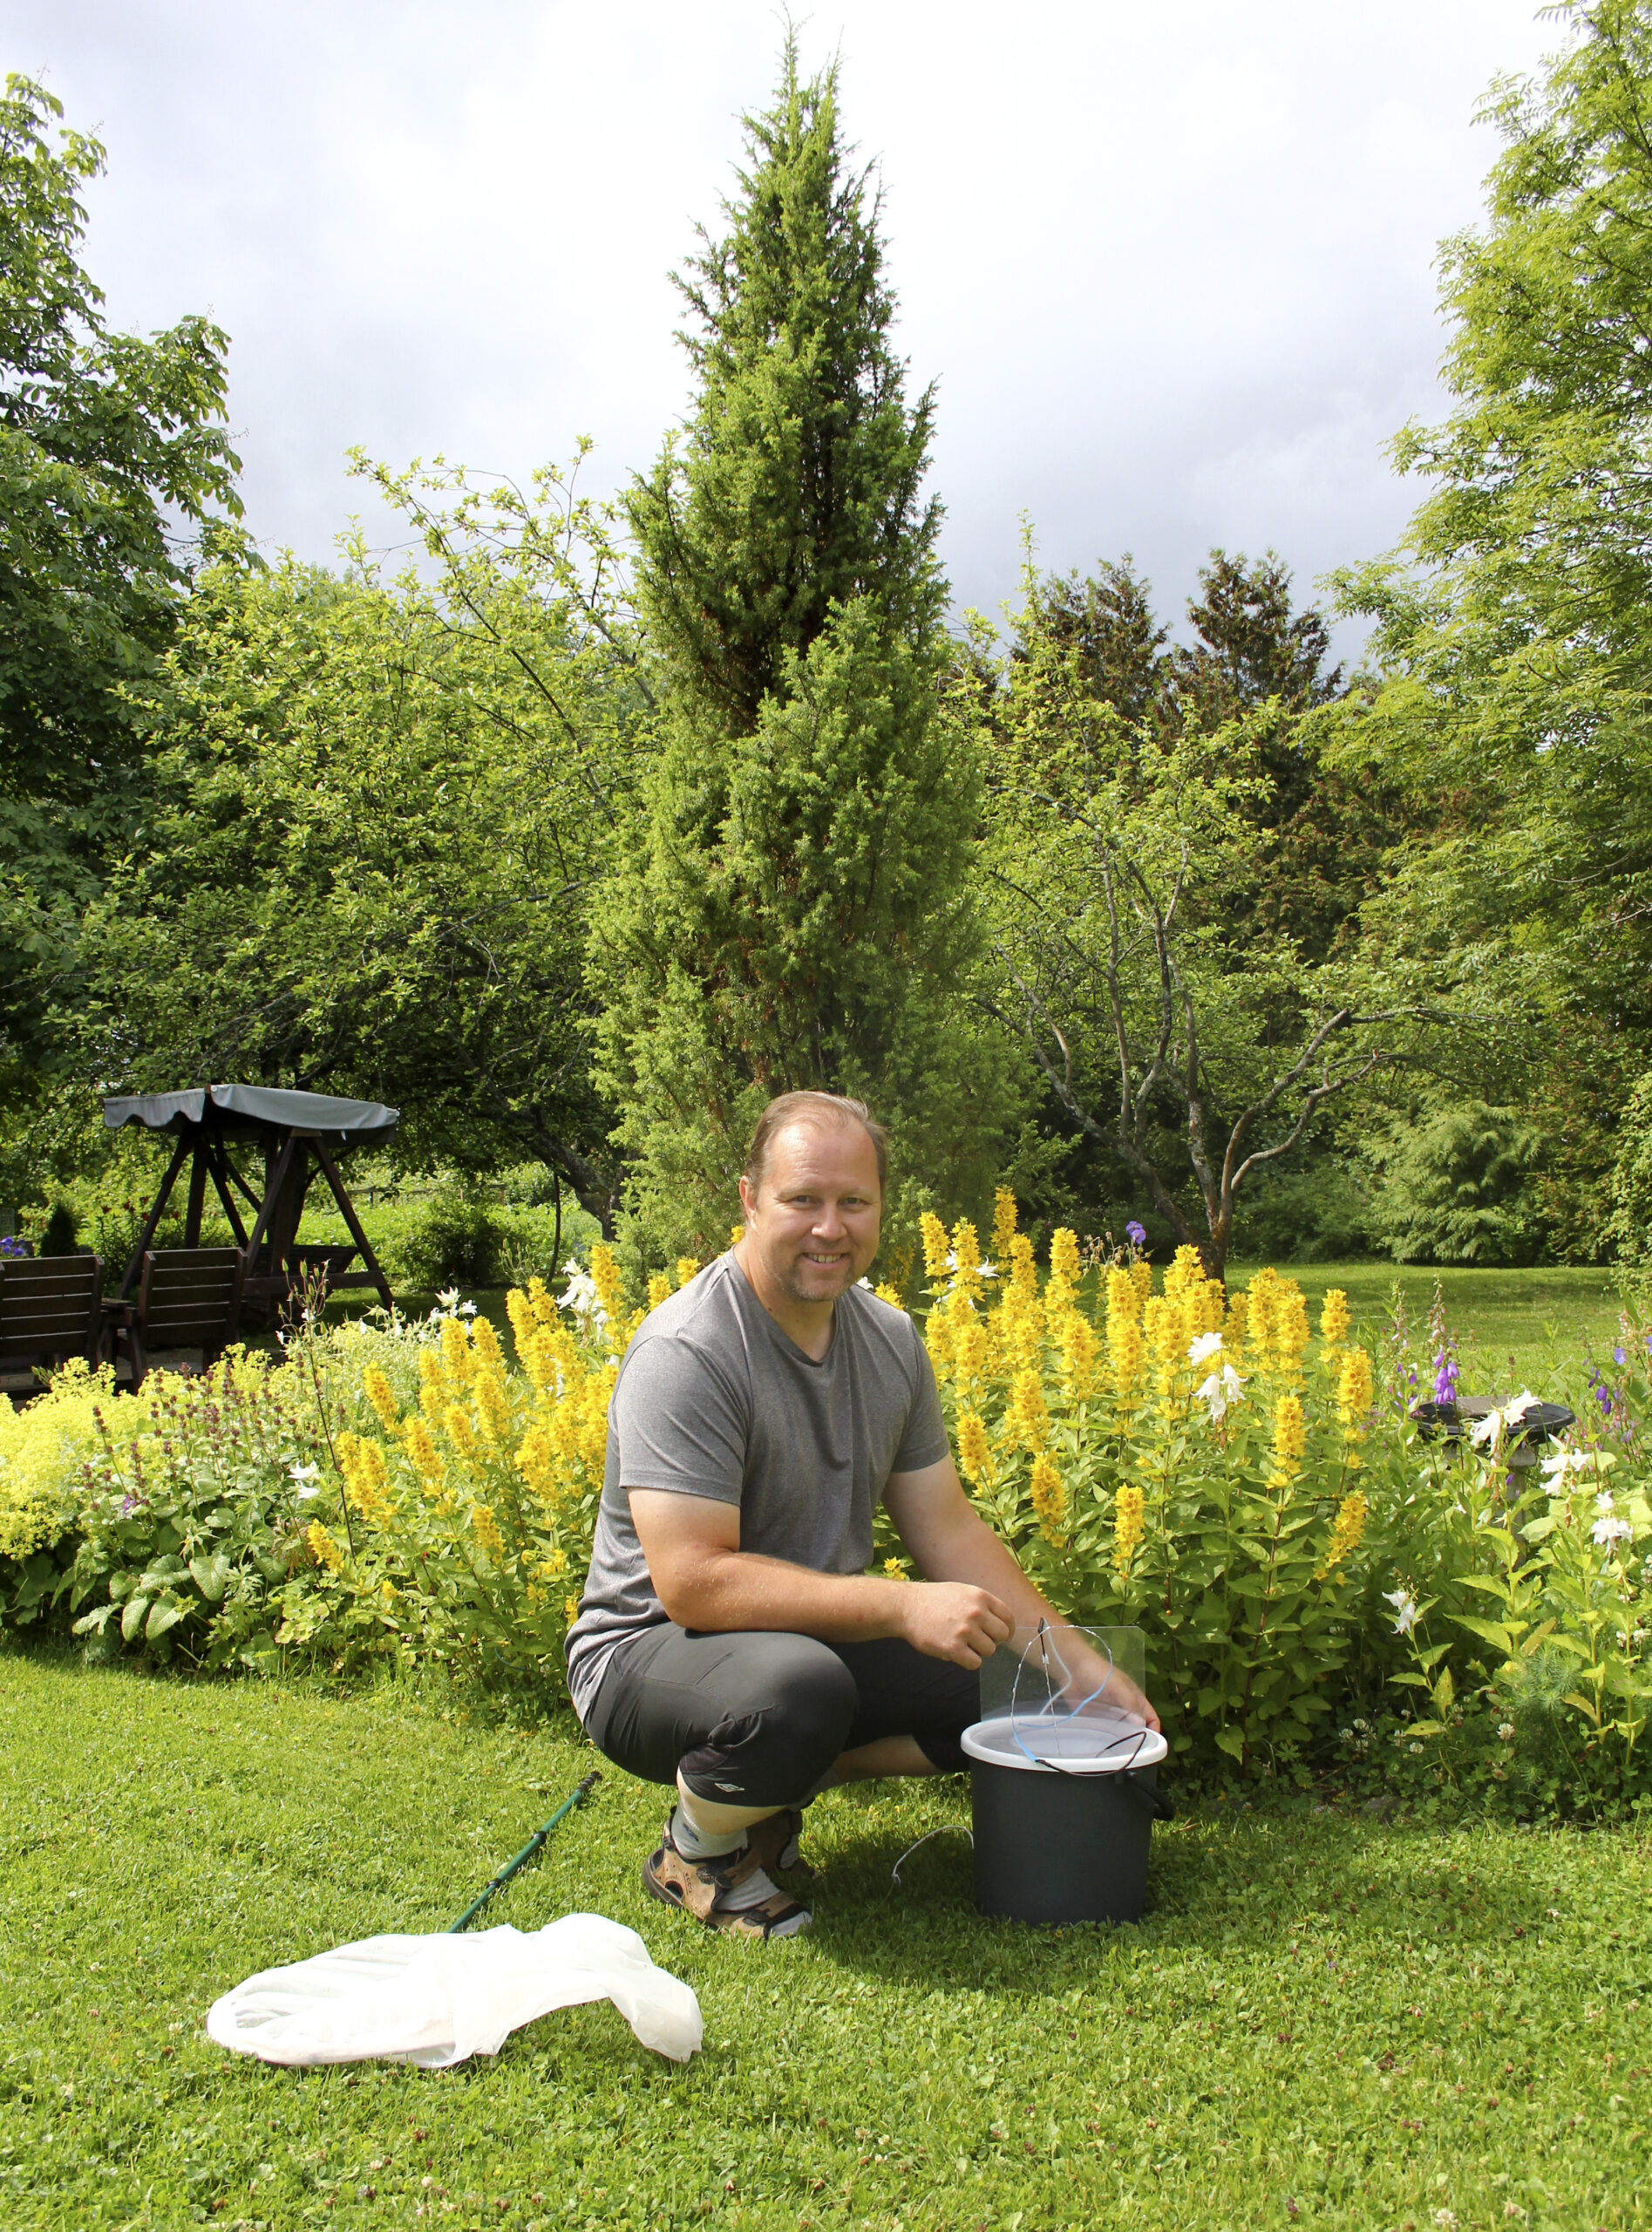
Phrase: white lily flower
{"type": "Point", "coordinates": [986, 1270]}
{"type": "Point", "coordinates": [581, 1296]}
{"type": "Point", "coordinates": [303, 1473]}
{"type": "Point", "coordinates": [1202, 1350]}
{"type": "Point", "coordinates": [1575, 1460]}
{"type": "Point", "coordinates": [1405, 1610]}
{"type": "Point", "coordinates": [1608, 1531]}
{"type": "Point", "coordinates": [1219, 1392]}
{"type": "Point", "coordinates": [449, 1299]}
{"type": "Point", "coordinates": [467, 1310]}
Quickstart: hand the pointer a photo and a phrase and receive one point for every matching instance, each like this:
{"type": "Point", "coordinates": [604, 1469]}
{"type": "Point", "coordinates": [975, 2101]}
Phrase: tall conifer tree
{"type": "Point", "coordinates": [796, 907]}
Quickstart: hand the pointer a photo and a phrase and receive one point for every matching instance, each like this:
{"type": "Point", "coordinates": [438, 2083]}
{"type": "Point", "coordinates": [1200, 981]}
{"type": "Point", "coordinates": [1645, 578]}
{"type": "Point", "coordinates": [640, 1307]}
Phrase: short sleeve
{"type": "Point", "coordinates": [925, 1440]}
{"type": "Point", "coordinates": [677, 1424]}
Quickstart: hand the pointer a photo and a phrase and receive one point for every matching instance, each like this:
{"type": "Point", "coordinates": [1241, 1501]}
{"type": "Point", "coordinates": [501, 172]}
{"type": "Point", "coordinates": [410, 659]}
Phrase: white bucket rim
{"type": "Point", "coordinates": [998, 1743]}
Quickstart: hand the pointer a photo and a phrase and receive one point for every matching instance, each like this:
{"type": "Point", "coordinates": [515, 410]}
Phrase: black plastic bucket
{"type": "Point", "coordinates": [1054, 1847]}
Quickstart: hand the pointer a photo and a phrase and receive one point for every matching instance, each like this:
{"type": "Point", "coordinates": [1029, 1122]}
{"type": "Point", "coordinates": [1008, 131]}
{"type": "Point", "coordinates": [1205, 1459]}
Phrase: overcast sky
{"type": "Point", "coordinates": [1172, 266]}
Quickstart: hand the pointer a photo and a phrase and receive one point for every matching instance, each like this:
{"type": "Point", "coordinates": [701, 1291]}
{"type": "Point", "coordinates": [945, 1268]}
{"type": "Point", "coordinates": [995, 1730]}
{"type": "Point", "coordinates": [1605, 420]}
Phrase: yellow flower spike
{"type": "Point", "coordinates": [1048, 1494]}
{"type": "Point", "coordinates": [659, 1289]}
{"type": "Point", "coordinates": [326, 1554]}
{"type": "Point", "coordinates": [895, 1570]}
{"type": "Point", "coordinates": [484, 1344]}
{"type": "Point", "coordinates": [493, 1406]}
{"type": "Point", "coordinates": [1290, 1439]}
{"type": "Point", "coordinates": [687, 1266]}
{"type": "Point", "coordinates": [457, 1426]}
{"type": "Point", "coordinates": [937, 1339]}
{"type": "Point", "coordinates": [456, 1352]}
{"type": "Point", "coordinates": [1063, 1253]}
{"type": "Point", "coordinates": [539, 1360]}
{"type": "Point", "coordinates": [1124, 1297]}
{"type": "Point", "coordinates": [1355, 1392]}
{"type": "Point", "coordinates": [1027, 1419]}
{"type": "Point", "coordinates": [1238, 1319]}
{"type": "Point", "coordinates": [485, 1527]}
{"type": "Point", "coordinates": [1347, 1528]}
{"type": "Point", "coordinates": [1141, 1275]}
{"type": "Point", "coordinates": [1079, 1350]}
{"type": "Point", "coordinates": [737, 1234]}
{"type": "Point", "coordinates": [937, 1247]}
{"type": "Point", "coordinates": [893, 1296]}
{"type": "Point", "coordinates": [524, 1324]}
{"type": "Point", "coordinates": [1333, 1317]}
{"type": "Point", "coordinates": [379, 1392]}
{"type": "Point", "coordinates": [1129, 1526]}
{"type": "Point", "coordinates": [970, 1350]}
{"type": "Point", "coordinates": [542, 1301]}
{"type": "Point", "coordinates": [974, 1451]}
{"type": "Point", "coordinates": [570, 1610]}
{"type": "Point", "coordinates": [422, 1453]}
{"type": "Point", "coordinates": [1003, 1223]}
{"type": "Point", "coordinates": [605, 1277]}
{"type": "Point", "coordinates": [1126, 1354]}
{"type": "Point", "coordinates": [1024, 1268]}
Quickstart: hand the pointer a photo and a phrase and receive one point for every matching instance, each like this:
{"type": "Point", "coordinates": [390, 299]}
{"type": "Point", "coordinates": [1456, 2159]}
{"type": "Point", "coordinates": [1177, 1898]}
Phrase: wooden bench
{"type": "Point", "coordinates": [50, 1309]}
{"type": "Point", "coordinates": [187, 1298]}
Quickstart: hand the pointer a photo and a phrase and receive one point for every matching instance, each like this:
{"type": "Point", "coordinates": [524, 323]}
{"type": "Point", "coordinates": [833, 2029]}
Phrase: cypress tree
{"type": "Point", "coordinates": [795, 905]}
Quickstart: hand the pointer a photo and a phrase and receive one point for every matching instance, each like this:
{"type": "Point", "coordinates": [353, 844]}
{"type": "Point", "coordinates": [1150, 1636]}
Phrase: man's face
{"type": "Point", "coordinates": [814, 1220]}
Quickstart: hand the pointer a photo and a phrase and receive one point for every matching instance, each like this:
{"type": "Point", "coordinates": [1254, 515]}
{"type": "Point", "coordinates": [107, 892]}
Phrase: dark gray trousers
{"type": "Point", "coordinates": [756, 1718]}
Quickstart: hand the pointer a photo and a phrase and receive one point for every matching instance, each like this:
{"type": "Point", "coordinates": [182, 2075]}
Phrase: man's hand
{"type": "Point", "coordinates": [954, 1620]}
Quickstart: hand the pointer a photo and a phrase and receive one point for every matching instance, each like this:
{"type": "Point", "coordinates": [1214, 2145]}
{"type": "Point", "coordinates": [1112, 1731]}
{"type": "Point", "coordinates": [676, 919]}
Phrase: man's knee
{"type": "Point", "coordinates": [775, 1747]}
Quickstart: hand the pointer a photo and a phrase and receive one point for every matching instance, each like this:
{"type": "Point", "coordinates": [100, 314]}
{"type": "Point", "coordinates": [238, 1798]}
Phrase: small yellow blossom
{"type": "Point", "coordinates": [687, 1266]}
{"type": "Point", "coordinates": [937, 1247]}
{"type": "Point", "coordinates": [893, 1296]}
{"type": "Point", "coordinates": [377, 1390]}
{"type": "Point", "coordinates": [896, 1570]}
{"type": "Point", "coordinates": [974, 1451]}
{"type": "Point", "coordinates": [1063, 1253]}
{"type": "Point", "coordinates": [1003, 1223]}
{"type": "Point", "coordinates": [570, 1610]}
{"type": "Point", "coordinates": [1048, 1494]}
{"type": "Point", "coordinates": [1346, 1529]}
{"type": "Point", "coordinates": [1129, 1525]}
{"type": "Point", "coordinates": [605, 1277]}
{"type": "Point", "coordinates": [326, 1554]}
{"type": "Point", "coordinates": [737, 1234]}
{"type": "Point", "coordinates": [659, 1289]}
{"type": "Point", "coordinates": [485, 1527]}
{"type": "Point", "coordinates": [1333, 1317]}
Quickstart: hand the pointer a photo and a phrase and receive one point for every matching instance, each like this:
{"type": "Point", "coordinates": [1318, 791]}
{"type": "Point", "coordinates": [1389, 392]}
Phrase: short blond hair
{"type": "Point", "coordinates": [823, 1109]}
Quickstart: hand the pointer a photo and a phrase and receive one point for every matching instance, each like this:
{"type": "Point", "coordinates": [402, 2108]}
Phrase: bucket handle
{"type": "Point", "coordinates": [1161, 1808]}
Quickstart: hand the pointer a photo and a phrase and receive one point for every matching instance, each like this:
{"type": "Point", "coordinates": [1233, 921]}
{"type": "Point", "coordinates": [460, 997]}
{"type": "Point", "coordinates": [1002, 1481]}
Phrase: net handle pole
{"type": "Point", "coordinates": [498, 1882]}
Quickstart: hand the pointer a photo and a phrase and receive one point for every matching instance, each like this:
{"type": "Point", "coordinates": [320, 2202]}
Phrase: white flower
{"type": "Point", "coordinates": [467, 1310]}
{"type": "Point", "coordinates": [1505, 1731]}
{"type": "Point", "coordinates": [1219, 1392]}
{"type": "Point", "coordinates": [1202, 1350]}
{"type": "Point", "coordinates": [986, 1270]}
{"type": "Point", "coordinates": [1495, 1424]}
{"type": "Point", "coordinates": [581, 1297]}
{"type": "Point", "coordinates": [1607, 1531]}
{"type": "Point", "coordinates": [301, 1476]}
{"type": "Point", "coordinates": [1405, 1610]}
{"type": "Point", "coordinates": [1446, 2219]}
{"type": "Point", "coordinates": [1575, 1460]}
{"type": "Point", "coordinates": [448, 1299]}
{"type": "Point", "coordinates": [866, 1283]}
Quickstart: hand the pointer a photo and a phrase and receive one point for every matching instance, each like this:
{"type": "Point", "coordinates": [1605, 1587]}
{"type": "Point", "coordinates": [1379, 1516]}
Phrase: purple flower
{"type": "Point", "coordinates": [1618, 1356]}
{"type": "Point", "coordinates": [1445, 1378]}
{"type": "Point", "coordinates": [1137, 1235]}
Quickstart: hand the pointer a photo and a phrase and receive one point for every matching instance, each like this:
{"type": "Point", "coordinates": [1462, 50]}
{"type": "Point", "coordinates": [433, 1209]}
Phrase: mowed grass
{"type": "Point", "coordinates": [1515, 1328]}
{"type": "Point", "coordinates": [1326, 2018]}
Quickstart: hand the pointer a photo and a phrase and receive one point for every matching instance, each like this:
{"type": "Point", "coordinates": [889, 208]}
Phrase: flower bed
{"type": "Point", "coordinates": [1318, 1583]}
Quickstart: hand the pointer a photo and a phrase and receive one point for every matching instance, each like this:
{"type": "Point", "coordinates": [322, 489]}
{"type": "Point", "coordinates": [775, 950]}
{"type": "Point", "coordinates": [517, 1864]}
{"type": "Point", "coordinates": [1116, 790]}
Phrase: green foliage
{"type": "Point", "coordinates": [1178, 1021]}
{"type": "Point", "coordinates": [113, 456]}
{"type": "Point", "coordinates": [379, 811]}
{"type": "Point", "coordinates": [1455, 1187]}
{"type": "Point", "coordinates": [794, 906]}
{"type": "Point", "coordinates": [455, 1238]}
{"type": "Point", "coordinates": [1515, 630]}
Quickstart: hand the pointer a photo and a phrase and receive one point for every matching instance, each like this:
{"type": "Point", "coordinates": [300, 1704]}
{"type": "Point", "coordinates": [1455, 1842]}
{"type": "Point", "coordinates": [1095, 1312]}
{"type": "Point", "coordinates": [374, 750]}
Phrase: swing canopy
{"type": "Point", "coordinates": [244, 1111]}
{"type": "Point", "coordinates": [299, 1133]}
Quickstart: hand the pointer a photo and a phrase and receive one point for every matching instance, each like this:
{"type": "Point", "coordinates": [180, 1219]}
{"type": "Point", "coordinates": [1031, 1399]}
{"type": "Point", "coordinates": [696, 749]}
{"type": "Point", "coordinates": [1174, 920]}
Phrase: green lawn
{"type": "Point", "coordinates": [1327, 2019]}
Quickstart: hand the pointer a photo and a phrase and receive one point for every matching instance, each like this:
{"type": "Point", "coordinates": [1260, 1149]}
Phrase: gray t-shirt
{"type": "Point", "coordinates": [713, 1399]}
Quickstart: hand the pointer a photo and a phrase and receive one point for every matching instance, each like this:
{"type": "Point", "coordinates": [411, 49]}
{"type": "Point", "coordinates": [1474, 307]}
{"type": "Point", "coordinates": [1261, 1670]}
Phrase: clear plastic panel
{"type": "Point", "coordinates": [1069, 1693]}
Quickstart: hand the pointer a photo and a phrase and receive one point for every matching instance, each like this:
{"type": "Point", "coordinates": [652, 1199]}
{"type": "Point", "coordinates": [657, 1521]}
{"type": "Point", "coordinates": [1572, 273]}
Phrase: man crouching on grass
{"type": "Point", "coordinates": [730, 1639]}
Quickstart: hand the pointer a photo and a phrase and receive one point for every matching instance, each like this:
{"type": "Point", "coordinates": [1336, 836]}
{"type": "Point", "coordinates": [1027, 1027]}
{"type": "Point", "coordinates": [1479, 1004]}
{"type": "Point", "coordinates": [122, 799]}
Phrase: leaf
{"type": "Point", "coordinates": [1230, 1740]}
{"type": "Point", "coordinates": [1488, 1631]}
{"type": "Point", "coordinates": [1444, 1693]}
{"type": "Point", "coordinates": [211, 1576]}
{"type": "Point", "coordinates": [1539, 1529]}
{"type": "Point", "coordinates": [166, 1614]}
{"type": "Point", "coordinates": [1576, 1697]}
{"type": "Point", "coordinates": [136, 1612]}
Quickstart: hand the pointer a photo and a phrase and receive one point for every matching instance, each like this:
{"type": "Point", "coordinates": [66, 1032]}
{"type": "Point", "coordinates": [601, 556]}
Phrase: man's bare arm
{"type": "Point", "coordinates": [706, 1580]}
{"type": "Point", "coordinates": [950, 1541]}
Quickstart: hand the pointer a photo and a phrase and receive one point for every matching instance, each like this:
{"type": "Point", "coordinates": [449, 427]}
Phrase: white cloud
{"type": "Point", "coordinates": [1172, 267]}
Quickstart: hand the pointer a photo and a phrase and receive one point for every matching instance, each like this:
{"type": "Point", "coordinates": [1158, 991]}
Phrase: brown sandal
{"type": "Point", "coordinates": [699, 1886]}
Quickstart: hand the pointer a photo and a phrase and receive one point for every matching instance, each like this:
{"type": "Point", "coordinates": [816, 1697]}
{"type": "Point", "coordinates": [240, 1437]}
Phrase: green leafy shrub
{"type": "Point", "coordinates": [1455, 1188]}
{"type": "Point", "coordinates": [453, 1239]}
